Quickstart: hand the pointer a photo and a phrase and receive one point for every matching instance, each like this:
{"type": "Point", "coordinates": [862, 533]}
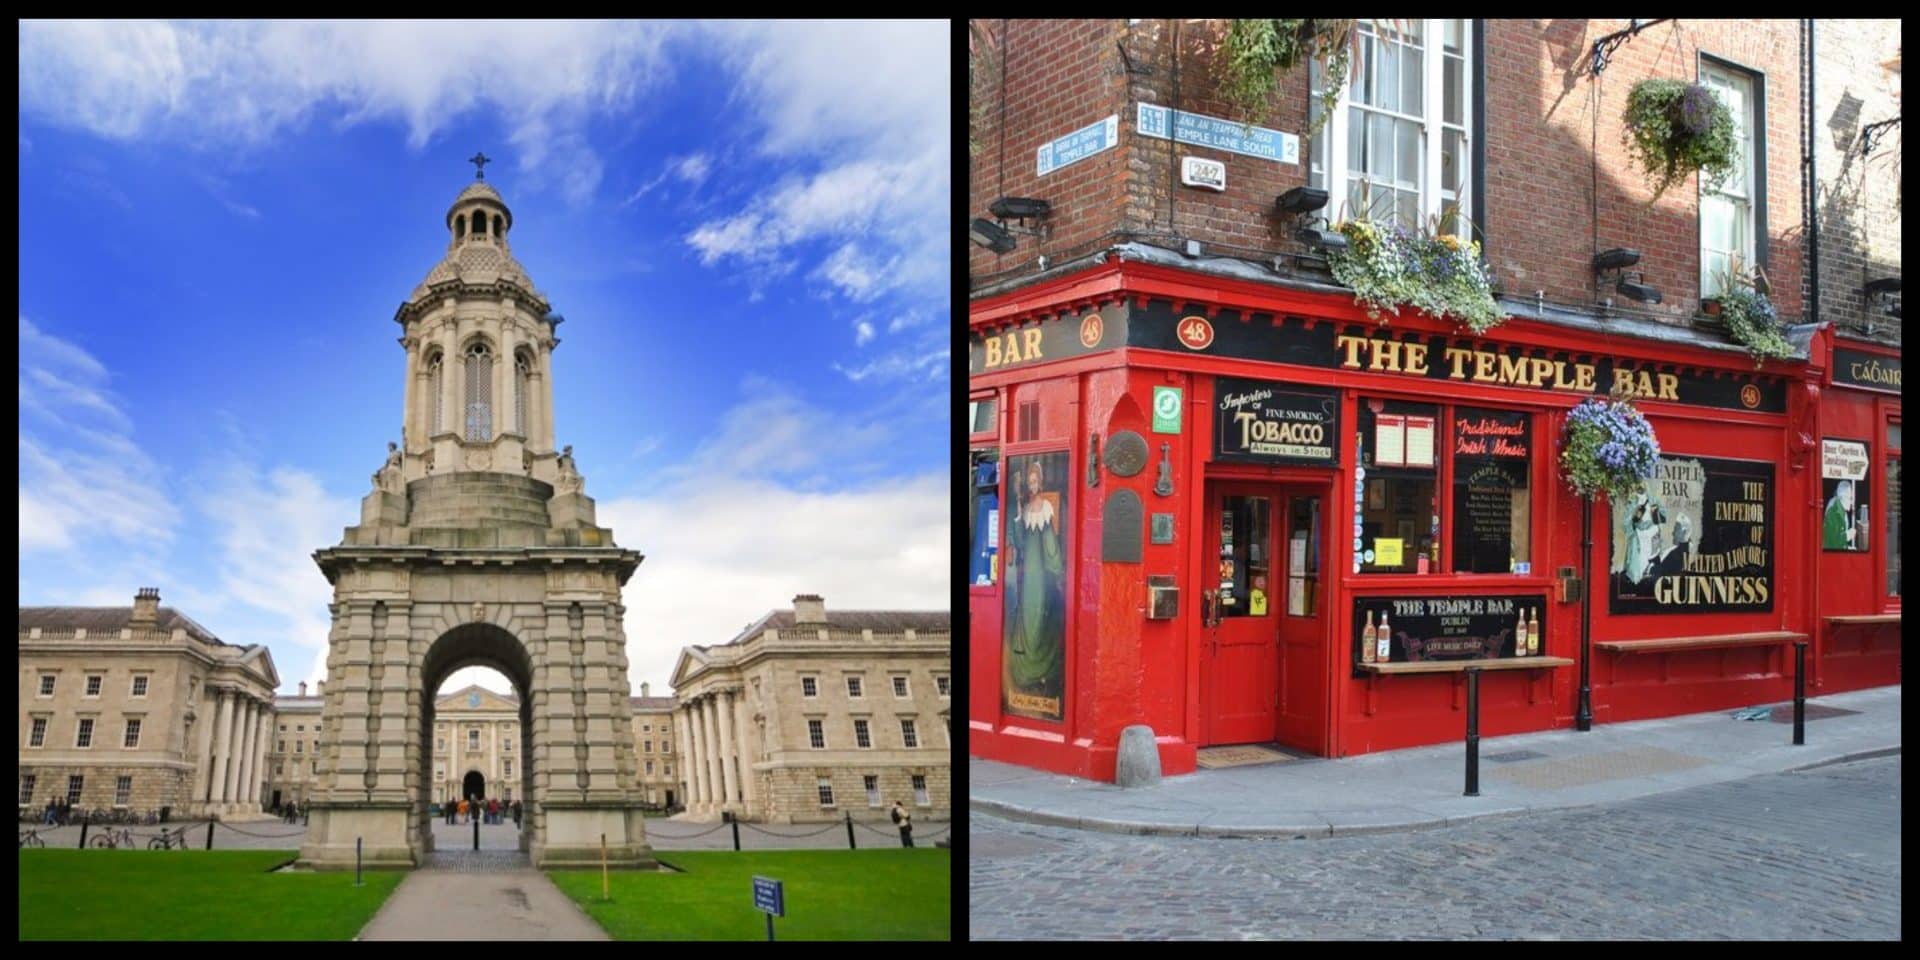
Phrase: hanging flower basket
{"type": "Point", "coordinates": [1254, 55]}
{"type": "Point", "coordinates": [1391, 267]}
{"type": "Point", "coordinates": [1752, 322]}
{"type": "Point", "coordinates": [1674, 129]}
{"type": "Point", "coordinates": [1609, 449]}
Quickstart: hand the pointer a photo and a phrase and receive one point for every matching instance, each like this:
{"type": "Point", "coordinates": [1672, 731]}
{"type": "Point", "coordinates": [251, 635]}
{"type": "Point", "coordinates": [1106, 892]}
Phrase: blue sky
{"type": "Point", "coordinates": [748, 239]}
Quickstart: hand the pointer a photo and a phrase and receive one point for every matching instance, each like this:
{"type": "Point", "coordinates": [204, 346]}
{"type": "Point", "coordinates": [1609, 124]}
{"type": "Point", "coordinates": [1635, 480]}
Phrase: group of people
{"type": "Point", "coordinates": [58, 812]}
{"type": "Point", "coordinates": [490, 811]}
{"type": "Point", "coordinates": [290, 811]}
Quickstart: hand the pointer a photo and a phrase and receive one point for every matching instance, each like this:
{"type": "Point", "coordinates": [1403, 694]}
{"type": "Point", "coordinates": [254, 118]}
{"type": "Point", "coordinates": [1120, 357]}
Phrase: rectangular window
{"type": "Point", "coordinates": [1893, 509]}
{"type": "Point", "coordinates": [74, 783]}
{"type": "Point", "coordinates": [316, 767]}
{"type": "Point", "coordinates": [1399, 509]}
{"type": "Point", "coordinates": [26, 789]}
{"type": "Point", "coordinates": [1398, 147]}
{"type": "Point", "coordinates": [46, 684]}
{"type": "Point", "coordinates": [669, 769]}
{"type": "Point", "coordinates": [283, 747]}
{"type": "Point", "coordinates": [860, 738]}
{"type": "Point", "coordinates": [1492, 510]}
{"type": "Point", "coordinates": [440, 745]}
{"type": "Point", "coordinates": [122, 791]}
{"type": "Point", "coordinates": [816, 737]}
{"type": "Point", "coordinates": [853, 687]}
{"type": "Point", "coordinates": [93, 684]}
{"type": "Point", "coordinates": [140, 685]}
{"type": "Point", "coordinates": [302, 728]}
{"type": "Point", "coordinates": [506, 769]}
{"type": "Point", "coordinates": [873, 789]}
{"type": "Point", "coordinates": [907, 737]}
{"type": "Point", "coordinates": [826, 791]}
{"type": "Point", "coordinates": [980, 416]}
{"type": "Point", "coordinates": [807, 687]}
{"type": "Point", "coordinates": [278, 768]}
{"type": "Point", "coordinates": [646, 728]}
{"type": "Point", "coordinates": [1727, 208]}
{"type": "Point", "coordinates": [473, 739]}
{"type": "Point", "coordinates": [920, 790]}
{"type": "Point", "coordinates": [133, 735]}
{"type": "Point", "coordinates": [940, 684]}
{"type": "Point", "coordinates": [899, 686]}
{"type": "Point", "coordinates": [506, 742]}
{"type": "Point", "coordinates": [84, 739]}
{"type": "Point", "coordinates": [298, 746]}
{"type": "Point", "coordinates": [646, 746]}
{"type": "Point", "coordinates": [39, 736]}
{"type": "Point", "coordinates": [983, 518]}
{"type": "Point", "coordinates": [649, 768]}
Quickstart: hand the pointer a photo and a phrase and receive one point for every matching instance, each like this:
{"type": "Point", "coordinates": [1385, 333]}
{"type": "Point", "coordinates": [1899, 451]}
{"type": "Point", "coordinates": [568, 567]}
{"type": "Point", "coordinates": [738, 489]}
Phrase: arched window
{"type": "Point", "coordinates": [434, 386]}
{"type": "Point", "coordinates": [479, 392]}
{"type": "Point", "coordinates": [496, 225]}
{"type": "Point", "coordinates": [479, 222]}
{"type": "Point", "coordinates": [459, 226]}
{"type": "Point", "coordinates": [522, 370]}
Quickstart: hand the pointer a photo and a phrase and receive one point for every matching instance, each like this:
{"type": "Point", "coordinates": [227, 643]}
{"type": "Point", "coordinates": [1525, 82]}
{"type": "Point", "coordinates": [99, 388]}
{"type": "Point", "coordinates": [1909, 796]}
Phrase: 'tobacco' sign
{"type": "Point", "coordinates": [1259, 422]}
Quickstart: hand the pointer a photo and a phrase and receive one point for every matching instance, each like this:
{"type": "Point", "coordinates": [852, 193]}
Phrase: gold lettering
{"type": "Point", "coordinates": [1622, 382]}
{"type": "Point", "coordinates": [1245, 418]}
{"type": "Point", "coordinates": [1386, 355]}
{"type": "Point", "coordinates": [1458, 357]}
{"type": "Point", "coordinates": [993, 352]}
{"type": "Point", "coordinates": [1560, 381]}
{"type": "Point", "coordinates": [1352, 346]}
{"type": "Point", "coordinates": [1483, 366]}
{"type": "Point", "coordinates": [1584, 382]}
{"type": "Point", "coordinates": [1033, 343]}
{"type": "Point", "coordinates": [1541, 367]}
{"type": "Point", "coordinates": [1513, 370]}
{"type": "Point", "coordinates": [1417, 358]}
{"type": "Point", "coordinates": [1669, 386]}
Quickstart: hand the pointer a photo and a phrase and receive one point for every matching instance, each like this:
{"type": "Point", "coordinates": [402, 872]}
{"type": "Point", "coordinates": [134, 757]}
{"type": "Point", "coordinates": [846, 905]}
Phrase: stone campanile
{"type": "Point", "coordinates": [477, 547]}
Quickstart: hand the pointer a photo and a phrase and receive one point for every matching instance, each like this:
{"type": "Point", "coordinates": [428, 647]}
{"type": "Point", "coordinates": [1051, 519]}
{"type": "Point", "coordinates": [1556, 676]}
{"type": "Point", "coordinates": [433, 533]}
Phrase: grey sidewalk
{"type": "Point", "coordinates": [520, 904]}
{"type": "Point", "coordinates": [1422, 787]}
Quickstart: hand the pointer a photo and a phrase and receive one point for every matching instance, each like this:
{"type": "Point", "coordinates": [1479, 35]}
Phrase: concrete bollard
{"type": "Point", "coordinates": [1138, 762]}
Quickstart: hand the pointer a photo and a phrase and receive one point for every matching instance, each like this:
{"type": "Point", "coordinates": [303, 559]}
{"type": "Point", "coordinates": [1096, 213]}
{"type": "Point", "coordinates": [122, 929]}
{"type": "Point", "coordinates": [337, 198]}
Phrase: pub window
{"type": "Point", "coordinates": [983, 518]}
{"type": "Point", "coordinates": [1246, 523]}
{"type": "Point", "coordinates": [1399, 505]}
{"type": "Point", "coordinates": [1727, 209]}
{"type": "Point", "coordinates": [1893, 509]}
{"type": "Point", "coordinates": [1492, 510]}
{"type": "Point", "coordinates": [980, 415]}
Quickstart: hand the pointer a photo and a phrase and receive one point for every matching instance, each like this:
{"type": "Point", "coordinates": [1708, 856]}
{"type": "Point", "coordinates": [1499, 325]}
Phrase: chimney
{"type": "Point", "coordinates": [146, 605]}
{"type": "Point", "coordinates": [643, 690]}
{"type": "Point", "coordinates": [319, 688]}
{"type": "Point", "coordinates": [809, 608]}
{"type": "Point", "coordinates": [303, 688]}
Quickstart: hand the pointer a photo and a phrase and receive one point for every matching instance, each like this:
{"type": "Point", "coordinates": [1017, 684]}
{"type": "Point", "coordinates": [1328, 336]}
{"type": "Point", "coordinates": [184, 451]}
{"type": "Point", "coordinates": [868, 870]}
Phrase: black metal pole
{"type": "Point", "coordinates": [1799, 693]}
{"type": "Point", "coordinates": [850, 844]}
{"type": "Point", "coordinates": [83, 833]}
{"type": "Point", "coordinates": [1583, 715]}
{"type": "Point", "coordinates": [209, 834]}
{"type": "Point", "coordinates": [769, 928]}
{"type": "Point", "coordinates": [476, 832]}
{"type": "Point", "coordinates": [1473, 732]}
{"type": "Point", "coordinates": [736, 844]}
{"type": "Point", "coordinates": [357, 881]}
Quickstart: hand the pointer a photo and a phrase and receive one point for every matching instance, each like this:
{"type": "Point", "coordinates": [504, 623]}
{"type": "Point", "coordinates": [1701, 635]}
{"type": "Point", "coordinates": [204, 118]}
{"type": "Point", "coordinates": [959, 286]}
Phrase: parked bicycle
{"type": "Point", "coordinates": [114, 839]}
{"type": "Point", "coordinates": [169, 840]}
{"type": "Point", "coordinates": [31, 839]}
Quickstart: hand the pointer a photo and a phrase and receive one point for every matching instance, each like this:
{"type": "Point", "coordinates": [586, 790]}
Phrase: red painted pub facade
{"type": "Point", "coordinates": [1214, 497]}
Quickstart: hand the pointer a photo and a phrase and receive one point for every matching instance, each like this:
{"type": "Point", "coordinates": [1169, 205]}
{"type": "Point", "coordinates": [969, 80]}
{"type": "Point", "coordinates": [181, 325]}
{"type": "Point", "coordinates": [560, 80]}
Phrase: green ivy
{"type": "Point", "coordinates": [1753, 322]}
{"type": "Point", "coordinates": [1255, 53]}
{"type": "Point", "coordinates": [1390, 267]}
{"type": "Point", "coordinates": [1674, 128]}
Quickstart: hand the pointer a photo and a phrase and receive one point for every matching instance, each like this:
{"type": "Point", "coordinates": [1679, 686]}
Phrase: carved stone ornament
{"type": "Point", "coordinates": [479, 458]}
{"type": "Point", "coordinates": [479, 611]}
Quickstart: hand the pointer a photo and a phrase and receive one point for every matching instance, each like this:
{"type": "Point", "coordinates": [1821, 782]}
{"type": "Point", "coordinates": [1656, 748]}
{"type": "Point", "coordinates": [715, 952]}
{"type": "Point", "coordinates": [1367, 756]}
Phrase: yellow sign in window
{"type": "Point", "coordinates": [1386, 552]}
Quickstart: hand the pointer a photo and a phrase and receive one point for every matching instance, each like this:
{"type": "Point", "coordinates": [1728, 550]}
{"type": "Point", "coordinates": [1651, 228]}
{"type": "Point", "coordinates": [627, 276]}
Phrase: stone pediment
{"type": "Point", "coordinates": [475, 698]}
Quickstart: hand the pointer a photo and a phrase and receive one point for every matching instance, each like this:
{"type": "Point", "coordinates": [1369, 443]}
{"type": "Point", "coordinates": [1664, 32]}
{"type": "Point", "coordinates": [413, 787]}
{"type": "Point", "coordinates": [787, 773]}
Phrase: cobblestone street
{"type": "Point", "coordinates": [1810, 855]}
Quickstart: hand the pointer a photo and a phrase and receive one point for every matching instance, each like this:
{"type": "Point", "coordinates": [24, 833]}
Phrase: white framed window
{"type": "Point", "coordinates": [139, 684]}
{"type": "Point", "coordinates": [920, 790]}
{"type": "Point", "coordinates": [861, 738]}
{"type": "Point", "coordinates": [940, 684]}
{"type": "Point", "coordinates": [900, 685]}
{"type": "Point", "coordinates": [479, 392]}
{"type": "Point", "coordinates": [38, 738]}
{"type": "Point", "coordinates": [825, 785]}
{"type": "Point", "coordinates": [907, 736]}
{"type": "Point", "coordinates": [669, 769]}
{"type": "Point", "coordinates": [46, 684]}
{"type": "Point", "coordinates": [506, 742]}
{"type": "Point", "coordinates": [473, 739]}
{"type": "Point", "coordinates": [649, 768]}
{"type": "Point", "coordinates": [646, 746]}
{"type": "Point", "coordinates": [74, 784]}
{"type": "Point", "coordinates": [26, 789]}
{"type": "Point", "coordinates": [506, 768]}
{"type": "Point", "coordinates": [439, 745]}
{"type": "Point", "coordinates": [816, 737]}
{"type": "Point", "coordinates": [853, 688]}
{"type": "Point", "coordinates": [1727, 210]}
{"type": "Point", "coordinates": [299, 746]}
{"type": "Point", "coordinates": [808, 687]}
{"type": "Point", "coordinates": [1398, 148]}
{"type": "Point", "coordinates": [873, 789]}
{"type": "Point", "coordinates": [84, 738]}
{"type": "Point", "coordinates": [122, 791]}
{"type": "Point", "coordinates": [93, 684]}
{"type": "Point", "coordinates": [132, 740]}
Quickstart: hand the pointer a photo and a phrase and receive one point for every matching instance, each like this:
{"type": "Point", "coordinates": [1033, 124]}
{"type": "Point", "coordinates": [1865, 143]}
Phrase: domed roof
{"type": "Point", "coordinates": [479, 188]}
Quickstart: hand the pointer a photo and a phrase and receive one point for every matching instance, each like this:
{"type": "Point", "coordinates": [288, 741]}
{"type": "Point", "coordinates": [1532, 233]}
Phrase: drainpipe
{"type": "Point", "coordinates": [1810, 207]}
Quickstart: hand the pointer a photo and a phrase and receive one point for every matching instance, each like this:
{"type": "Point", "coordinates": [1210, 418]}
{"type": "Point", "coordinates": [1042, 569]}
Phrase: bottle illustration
{"type": "Point", "coordinates": [1367, 641]}
{"type": "Point", "coordinates": [1533, 633]}
{"type": "Point", "coordinates": [1520, 635]}
{"type": "Point", "coordinates": [1384, 638]}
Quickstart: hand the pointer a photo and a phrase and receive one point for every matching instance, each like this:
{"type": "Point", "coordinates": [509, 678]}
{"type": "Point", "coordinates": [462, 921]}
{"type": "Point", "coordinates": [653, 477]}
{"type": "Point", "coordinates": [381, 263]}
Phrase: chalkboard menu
{"type": "Point", "coordinates": [1422, 629]}
{"type": "Point", "coordinates": [1491, 510]}
{"type": "Point", "coordinates": [1259, 421]}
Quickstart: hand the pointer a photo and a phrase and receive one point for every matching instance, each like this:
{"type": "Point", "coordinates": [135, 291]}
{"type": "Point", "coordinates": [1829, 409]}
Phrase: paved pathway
{"type": "Point", "coordinates": [1808, 855]}
{"type": "Point", "coordinates": [512, 901]}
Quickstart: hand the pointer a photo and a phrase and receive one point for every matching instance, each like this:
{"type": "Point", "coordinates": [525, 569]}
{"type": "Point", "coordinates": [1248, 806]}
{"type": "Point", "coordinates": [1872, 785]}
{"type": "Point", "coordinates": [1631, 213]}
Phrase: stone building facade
{"type": "Point", "coordinates": [653, 737]}
{"type": "Point", "coordinates": [476, 752]}
{"type": "Point", "coordinates": [810, 716]}
{"type": "Point", "coordinates": [141, 708]}
{"type": "Point", "coordinates": [293, 756]}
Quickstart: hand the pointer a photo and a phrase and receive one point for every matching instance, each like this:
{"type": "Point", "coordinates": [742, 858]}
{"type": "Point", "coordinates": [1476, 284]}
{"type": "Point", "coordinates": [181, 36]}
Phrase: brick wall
{"type": "Point", "coordinates": [1858, 195]}
{"type": "Point", "coordinates": [1543, 150]}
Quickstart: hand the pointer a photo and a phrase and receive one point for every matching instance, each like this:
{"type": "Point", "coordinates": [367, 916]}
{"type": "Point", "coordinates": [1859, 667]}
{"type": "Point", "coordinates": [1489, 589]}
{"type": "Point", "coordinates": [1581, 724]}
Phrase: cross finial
{"type": "Point", "coordinates": [479, 161]}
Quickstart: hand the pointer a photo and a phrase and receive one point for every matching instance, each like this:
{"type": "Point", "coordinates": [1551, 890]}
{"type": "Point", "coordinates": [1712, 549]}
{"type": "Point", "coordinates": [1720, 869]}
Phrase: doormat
{"type": "Point", "coordinates": [1245, 755]}
{"type": "Point", "coordinates": [1815, 711]}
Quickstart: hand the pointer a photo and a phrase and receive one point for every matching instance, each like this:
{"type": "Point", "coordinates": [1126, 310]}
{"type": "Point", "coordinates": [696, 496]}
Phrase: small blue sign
{"type": "Point", "coordinates": [769, 896]}
{"type": "Point", "coordinates": [1080, 144]}
{"type": "Point", "coordinates": [1229, 135]}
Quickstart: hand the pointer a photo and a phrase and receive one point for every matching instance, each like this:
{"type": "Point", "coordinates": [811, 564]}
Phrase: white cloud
{"type": "Point", "coordinates": [862, 333]}
{"type": "Point", "coordinates": [899, 366]}
{"type": "Point", "coordinates": [857, 275]}
{"type": "Point", "coordinates": [227, 84]}
{"type": "Point", "coordinates": [691, 169]}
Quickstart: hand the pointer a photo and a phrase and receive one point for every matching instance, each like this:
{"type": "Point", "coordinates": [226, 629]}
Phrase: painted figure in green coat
{"type": "Point", "coordinates": [1035, 606]}
{"type": "Point", "coordinates": [1837, 532]}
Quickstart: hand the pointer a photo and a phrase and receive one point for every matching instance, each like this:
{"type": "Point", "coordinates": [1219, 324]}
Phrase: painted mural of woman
{"type": "Point", "coordinates": [1035, 586]}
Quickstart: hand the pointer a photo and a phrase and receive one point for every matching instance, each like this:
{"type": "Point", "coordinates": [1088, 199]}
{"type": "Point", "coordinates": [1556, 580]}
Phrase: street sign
{"type": "Point", "coordinates": [1220, 134]}
{"type": "Point", "coordinates": [1096, 137]}
{"type": "Point", "coordinates": [769, 896]}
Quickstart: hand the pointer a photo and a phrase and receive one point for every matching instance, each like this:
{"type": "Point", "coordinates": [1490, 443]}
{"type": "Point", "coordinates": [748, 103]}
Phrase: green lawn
{"type": "Point", "coordinates": [886, 894]}
{"type": "Point", "coordinates": [189, 895]}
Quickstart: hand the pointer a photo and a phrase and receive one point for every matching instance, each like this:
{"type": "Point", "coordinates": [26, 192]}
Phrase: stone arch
{"type": "Point", "coordinates": [479, 643]}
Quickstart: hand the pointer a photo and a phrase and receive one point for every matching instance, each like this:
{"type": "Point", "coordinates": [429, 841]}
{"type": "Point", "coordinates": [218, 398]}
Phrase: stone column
{"type": "Point", "coordinates": [260, 754]}
{"type": "Point", "coordinates": [502, 400]}
{"type": "Point", "coordinates": [222, 746]}
{"type": "Point", "coordinates": [701, 792]}
{"type": "Point", "coordinates": [203, 719]}
{"type": "Point", "coordinates": [680, 758]}
{"type": "Point", "coordinates": [729, 751]}
{"type": "Point", "coordinates": [243, 757]}
{"type": "Point", "coordinates": [715, 783]}
{"type": "Point", "coordinates": [546, 396]}
{"type": "Point", "coordinates": [409, 405]}
{"type": "Point", "coordinates": [741, 729]}
{"type": "Point", "coordinates": [453, 377]}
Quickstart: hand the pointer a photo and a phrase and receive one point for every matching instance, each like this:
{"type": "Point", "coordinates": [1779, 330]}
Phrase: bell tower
{"type": "Point", "coordinates": [477, 546]}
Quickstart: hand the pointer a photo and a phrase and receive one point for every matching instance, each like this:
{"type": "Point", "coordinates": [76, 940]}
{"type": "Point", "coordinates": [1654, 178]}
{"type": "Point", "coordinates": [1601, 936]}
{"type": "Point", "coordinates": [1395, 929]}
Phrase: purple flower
{"type": "Point", "coordinates": [1696, 110]}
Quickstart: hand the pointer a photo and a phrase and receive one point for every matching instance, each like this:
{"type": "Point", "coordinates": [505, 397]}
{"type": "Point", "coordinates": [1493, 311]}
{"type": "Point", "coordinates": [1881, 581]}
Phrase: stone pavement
{"type": "Point", "coordinates": [1809, 855]}
{"type": "Point", "coordinates": [504, 904]}
{"type": "Point", "coordinates": [1421, 788]}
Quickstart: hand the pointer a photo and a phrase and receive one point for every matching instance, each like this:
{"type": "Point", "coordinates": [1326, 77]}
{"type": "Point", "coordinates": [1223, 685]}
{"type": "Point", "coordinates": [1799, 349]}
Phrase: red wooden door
{"type": "Point", "coordinates": [1241, 665]}
{"type": "Point", "coordinates": [1301, 599]}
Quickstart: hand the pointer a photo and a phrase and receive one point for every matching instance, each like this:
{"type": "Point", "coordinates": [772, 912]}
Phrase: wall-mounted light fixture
{"type": "Point", "coordinates": [1616, 261]}
{"type": "Point", "coordinates": [1020, 208]}
{"type": "Point", "coordinates": [1298, 203]}
{"type": "Point", "coordinates": [991, 235]}
{"type": "Point", "coordinates": [997, 235]}
{"type": "Point", "coordinates": [1637, 290]}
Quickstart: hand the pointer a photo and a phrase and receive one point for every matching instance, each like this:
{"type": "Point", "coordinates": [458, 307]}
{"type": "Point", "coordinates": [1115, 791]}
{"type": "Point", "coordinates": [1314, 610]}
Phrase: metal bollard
{"type": "Point", "coordinates": [83, 833]}
{"type": "Point", "coordinates": [850, 843]}
{"type": "Point", "coordinates": [1799, 693]}
{"type": "Point", "coordinates": [209, 834]}
{"type": "Point", "coordinates": [357, 881]}
{"type": "Point", "coordinates": [476, 833]}
{"type": "Point", "coordinates": [736, 834]}
{"type": "Point", "coordinates": [1473, 732]}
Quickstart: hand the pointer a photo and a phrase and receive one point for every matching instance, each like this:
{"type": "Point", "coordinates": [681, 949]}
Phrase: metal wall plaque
{"type": "Point", "coordinates": [1120, 524]}
{"type": "Point", "coordinates": [1163, 528]}
{"type": "Point", "coordinates": [1126, 453]}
